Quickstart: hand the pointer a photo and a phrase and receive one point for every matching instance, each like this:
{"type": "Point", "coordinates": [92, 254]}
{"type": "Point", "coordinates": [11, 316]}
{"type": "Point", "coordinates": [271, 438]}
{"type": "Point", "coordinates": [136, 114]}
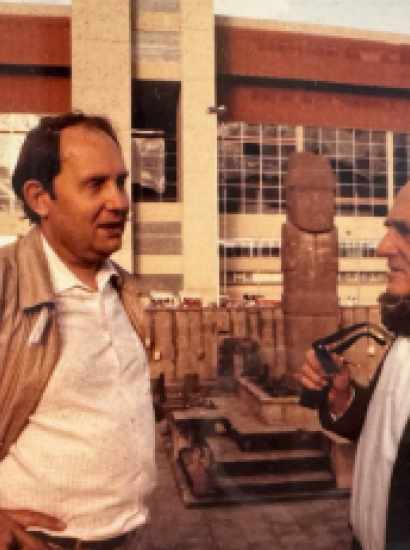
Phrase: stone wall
{"type": "Point", "coordinates": [216, 342]}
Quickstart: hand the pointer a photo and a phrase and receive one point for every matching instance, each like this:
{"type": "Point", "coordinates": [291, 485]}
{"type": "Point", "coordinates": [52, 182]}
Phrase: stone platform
{"type": "Point", "coordinates": [227, 455]}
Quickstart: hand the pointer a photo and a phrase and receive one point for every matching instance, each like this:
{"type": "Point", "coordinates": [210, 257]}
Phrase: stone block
{"type": "Point", "coordinates": [315, 304]}
{"type": "Point", "coordinates": [223, 321]}
{"type": "Point", "coordinates": [183, 363]}
{"type": "Point", "coordinates": [195, 331]}
{"type": "Point", "coordinates": [267, 324]}
{"type": "Point", "coordinates": [240, 329]}
{"type": "Point", "coordinates": [309, 258]}
{"type": "Point", "coordinates": [181, 325]}
{"type": "Point", "coordinates": [254, 324]}
{"type": "Point", "coordinates": [279, 340]}
{"type": "Point", "coordinates": [164, 334]}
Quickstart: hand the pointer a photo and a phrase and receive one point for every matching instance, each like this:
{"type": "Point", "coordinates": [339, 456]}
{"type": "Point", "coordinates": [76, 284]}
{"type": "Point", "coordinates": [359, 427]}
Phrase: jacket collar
{"type": "Point", "coordinates": [35, 287]}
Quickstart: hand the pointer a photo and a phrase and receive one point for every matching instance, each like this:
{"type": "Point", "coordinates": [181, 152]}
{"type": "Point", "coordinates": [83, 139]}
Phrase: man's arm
{"type": "Point", "coordinates": [349, 422]}
{"type": "Point", "coordinates": [347, 401]}
{"type": "Point", "coordinates": [14, 523]}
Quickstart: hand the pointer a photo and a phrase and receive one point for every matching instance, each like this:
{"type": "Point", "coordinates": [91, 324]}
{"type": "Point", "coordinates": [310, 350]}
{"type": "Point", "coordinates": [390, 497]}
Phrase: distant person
{"type": "Point", "coordinates": [76, 417]}
{"type": "Point", "coordinates": [378, 415]}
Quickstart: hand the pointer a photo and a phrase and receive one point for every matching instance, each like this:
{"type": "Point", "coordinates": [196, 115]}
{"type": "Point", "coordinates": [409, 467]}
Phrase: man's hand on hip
{"type": "Point", "coordinates": [13, 525]}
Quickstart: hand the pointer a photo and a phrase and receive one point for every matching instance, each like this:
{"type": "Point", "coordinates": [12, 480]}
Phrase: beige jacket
{"type": "Point", "coordinates": [25, 368]}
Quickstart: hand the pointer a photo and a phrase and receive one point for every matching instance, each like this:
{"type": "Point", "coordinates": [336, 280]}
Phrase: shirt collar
{"type": "Point", "coordinates": [64, 279]}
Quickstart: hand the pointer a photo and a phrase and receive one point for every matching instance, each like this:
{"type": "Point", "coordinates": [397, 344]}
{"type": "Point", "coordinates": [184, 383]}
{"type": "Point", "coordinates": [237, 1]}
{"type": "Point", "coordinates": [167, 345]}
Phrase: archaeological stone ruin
{"type": "Point", "coordinates": [219, 373]}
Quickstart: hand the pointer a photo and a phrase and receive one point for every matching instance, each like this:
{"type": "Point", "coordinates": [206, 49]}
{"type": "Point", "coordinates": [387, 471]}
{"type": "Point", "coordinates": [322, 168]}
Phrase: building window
{"type": "Point", "coordinates": [154, 162]}
{"type": "Point", "coordinates": [358, 249]}
{"type": "Point", "coordinates": [251, 278]}
{"type": "Point", "coordinates": [359, 161]}
{"type": "Point", "coordinates": [252, 161]}
{"type": "Point", "coordinates": [247, 248]}
{"type": "Point", "coordinates": [401, 160]}
{"type": "Point", "coordinates": [13, 129]}
{"type": "Point", "coordinates": [367, 277]}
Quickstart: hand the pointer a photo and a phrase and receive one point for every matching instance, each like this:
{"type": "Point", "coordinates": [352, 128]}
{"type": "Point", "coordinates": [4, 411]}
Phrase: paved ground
{"type": "Point", "coordinates": [309, 525]}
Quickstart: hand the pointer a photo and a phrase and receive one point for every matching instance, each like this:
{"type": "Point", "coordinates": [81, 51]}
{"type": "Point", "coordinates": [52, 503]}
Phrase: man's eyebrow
{"type": "Point", "coordinates": [123, 174]}
{"type": "Point", "coordinates": [401, 226]}
{"type": "Point", "coordinates": [103, 175]}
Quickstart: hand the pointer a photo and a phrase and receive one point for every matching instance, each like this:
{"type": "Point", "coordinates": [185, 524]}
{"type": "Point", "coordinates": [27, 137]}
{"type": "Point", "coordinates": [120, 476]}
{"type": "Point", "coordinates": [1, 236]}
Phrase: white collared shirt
{"type": "Point", "coordinates": [386, 419]}
{"type": "Point", "coordinates": [87, 454]}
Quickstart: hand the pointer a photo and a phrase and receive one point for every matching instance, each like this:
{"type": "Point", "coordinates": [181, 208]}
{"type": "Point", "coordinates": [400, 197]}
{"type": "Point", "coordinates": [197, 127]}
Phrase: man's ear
{"type": "Point", "coordinates": [36, 197]}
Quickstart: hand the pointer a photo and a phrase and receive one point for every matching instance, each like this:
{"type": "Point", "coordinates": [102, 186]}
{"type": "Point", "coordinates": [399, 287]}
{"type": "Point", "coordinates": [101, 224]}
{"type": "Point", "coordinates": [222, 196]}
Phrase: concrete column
{"type": "Point", "coordinates": [101, 75]}
{"type": "Point", "coordinates": [198, 141]}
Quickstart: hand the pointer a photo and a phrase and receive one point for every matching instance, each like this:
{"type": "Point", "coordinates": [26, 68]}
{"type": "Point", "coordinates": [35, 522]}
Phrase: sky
{"type": "Point", "coordinates": [378, 15]}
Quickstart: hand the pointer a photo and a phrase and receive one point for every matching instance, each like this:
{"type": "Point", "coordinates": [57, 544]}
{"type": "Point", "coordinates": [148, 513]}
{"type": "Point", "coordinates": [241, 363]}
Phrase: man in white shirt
{"type": "Point", "coordinates": [77, 428]}
{"type": "Point", "coordinates": [379, 413]}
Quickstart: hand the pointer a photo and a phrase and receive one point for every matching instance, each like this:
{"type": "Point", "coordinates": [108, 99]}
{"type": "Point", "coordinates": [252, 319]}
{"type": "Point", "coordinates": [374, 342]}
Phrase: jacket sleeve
{"type": "Point", "coordinates": [349, 425]}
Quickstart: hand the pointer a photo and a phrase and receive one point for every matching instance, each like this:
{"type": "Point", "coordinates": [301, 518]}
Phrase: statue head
{"type": "Point", "coordinates": [310, 192]}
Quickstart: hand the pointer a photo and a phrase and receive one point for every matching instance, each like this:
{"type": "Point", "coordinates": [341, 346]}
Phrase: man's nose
{"type": "Point", "coordinates": [117, 198]}
{"type": "Point", "coordinates": [387, 246]}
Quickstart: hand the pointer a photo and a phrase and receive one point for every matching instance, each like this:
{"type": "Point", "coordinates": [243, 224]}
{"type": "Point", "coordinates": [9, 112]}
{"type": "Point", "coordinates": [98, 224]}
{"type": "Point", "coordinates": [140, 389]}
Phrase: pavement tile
{"type": "Point", "coordinates": [303, 525]}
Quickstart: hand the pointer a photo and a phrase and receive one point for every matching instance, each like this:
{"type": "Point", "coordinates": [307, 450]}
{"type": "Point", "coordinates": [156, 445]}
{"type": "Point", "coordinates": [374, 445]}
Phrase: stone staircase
{"type": "Point", "coordinates": [285, 470]}
{"type": "Point", "coordinates": [234, 464]}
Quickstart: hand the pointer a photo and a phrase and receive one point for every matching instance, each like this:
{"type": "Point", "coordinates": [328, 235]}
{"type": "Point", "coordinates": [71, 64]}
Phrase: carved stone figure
{"type": "Point", "coordinates": [309, 256]}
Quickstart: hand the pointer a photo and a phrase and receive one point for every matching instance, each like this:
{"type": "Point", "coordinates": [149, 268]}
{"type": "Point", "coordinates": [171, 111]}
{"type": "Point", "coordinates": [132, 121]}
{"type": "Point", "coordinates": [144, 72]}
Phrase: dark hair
{"type": "Point", "coordinates": [39, 157]}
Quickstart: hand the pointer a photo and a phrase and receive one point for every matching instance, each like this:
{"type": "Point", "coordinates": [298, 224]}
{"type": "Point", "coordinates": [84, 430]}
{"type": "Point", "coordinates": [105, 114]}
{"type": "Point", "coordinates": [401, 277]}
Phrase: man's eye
{"type": "Point", "coordinates": [96, 183]}
{"type": "Point", "coordinates": [121, 182]}
{"type": "Point", "coordinates": [403, 230]}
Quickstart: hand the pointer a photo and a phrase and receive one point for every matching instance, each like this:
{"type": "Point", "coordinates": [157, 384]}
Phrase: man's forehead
{"type": "Point", "coordinates": [78, 142]}
{"type": "Point", "coordinates": [74, 135]}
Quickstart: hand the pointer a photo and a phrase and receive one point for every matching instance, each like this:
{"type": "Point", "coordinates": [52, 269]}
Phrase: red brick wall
{"type": "Point", "coordinates": [309, 57]}
{"type": "Point", "coordinates": [28, 40]}
{"type": "Point", "coordinates": [41, 41]}
{"type": "Point", "coordinates": [33, 94]}
{"type": "Point", "coordinates": [252, 104]}
{"type": "Point", "coordinates": [299, 57]}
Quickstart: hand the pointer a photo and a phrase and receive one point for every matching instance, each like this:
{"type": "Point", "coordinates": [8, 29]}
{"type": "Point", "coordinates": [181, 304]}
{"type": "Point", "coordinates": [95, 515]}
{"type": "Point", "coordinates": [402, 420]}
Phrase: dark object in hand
{"type": "Point", "coordinates": [337, 342]}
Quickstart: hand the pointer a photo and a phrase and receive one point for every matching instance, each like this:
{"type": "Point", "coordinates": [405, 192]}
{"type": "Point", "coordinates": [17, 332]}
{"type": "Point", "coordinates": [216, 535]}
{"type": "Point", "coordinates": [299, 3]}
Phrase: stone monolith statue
{"type": "Point", "coordinates": [309, 256]}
